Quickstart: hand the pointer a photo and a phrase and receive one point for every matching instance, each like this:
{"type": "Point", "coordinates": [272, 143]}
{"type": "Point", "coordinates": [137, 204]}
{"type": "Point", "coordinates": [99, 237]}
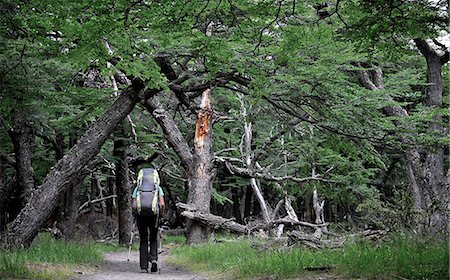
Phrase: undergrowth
{"type": "Point", "coordinates": [401, 257]}
{"type": "Point", "coordinates": [48, 258]}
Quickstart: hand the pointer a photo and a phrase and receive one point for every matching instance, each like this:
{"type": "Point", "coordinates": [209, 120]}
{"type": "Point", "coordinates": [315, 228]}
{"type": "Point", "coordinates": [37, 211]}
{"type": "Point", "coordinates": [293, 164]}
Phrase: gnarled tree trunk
{"type": "Point", "coordinates": [25, 227]}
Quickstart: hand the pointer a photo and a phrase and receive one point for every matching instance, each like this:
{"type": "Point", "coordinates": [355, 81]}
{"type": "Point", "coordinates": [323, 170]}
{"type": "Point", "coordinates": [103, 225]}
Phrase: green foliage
{"type": "Point", "coordinates": [384, 27]}
{"type": "Point", "coordinates": [219, 198]}
{"type": "Point", "coordinates": [327, 123]}
{"type": "Point", "coordinates": [401, 256]}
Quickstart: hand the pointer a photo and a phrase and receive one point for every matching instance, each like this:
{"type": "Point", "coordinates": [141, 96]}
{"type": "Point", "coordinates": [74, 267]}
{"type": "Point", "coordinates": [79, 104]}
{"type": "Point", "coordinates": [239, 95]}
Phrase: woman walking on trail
{"type": "Point", "coordinates": [148, 203]}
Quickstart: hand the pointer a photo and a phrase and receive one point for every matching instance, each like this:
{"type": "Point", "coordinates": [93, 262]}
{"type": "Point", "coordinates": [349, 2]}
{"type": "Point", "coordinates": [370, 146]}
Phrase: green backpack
{"type": "Point", "coordinates": [146, 202]}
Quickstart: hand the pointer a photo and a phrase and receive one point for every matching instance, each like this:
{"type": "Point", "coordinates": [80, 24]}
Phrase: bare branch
{"type": "Point", "coordinates": [87, 203]}
{"type": "Point", "coordinates": [248, 173]}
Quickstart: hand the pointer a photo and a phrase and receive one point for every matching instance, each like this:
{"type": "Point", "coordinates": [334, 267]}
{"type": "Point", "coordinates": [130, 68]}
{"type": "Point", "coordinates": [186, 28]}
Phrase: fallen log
{"type": "Point", "coordinates": [307, 239]}
{"type": "Point", "coordinates": [216, 221]}
{"type": "Point", "coordinates": [229, 224]}
{"type": "Point", "coordinates": [210, 219]}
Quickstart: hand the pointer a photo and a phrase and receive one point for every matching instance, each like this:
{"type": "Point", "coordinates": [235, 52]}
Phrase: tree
{"type": "Point", "coordinates": [425, 168]}
{"type": "Point", "coordinates": [24, 228]}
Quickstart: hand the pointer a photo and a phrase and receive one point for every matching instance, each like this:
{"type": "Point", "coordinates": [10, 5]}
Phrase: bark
{"type": "Point", "coordinates": [172, 133]}
{"type": "Point", "coordinates": [206, 218]}
{"type": "Point", "coordinates": [236, 204]}
{"type": "Point", "coordinates": [22, 137]}
{"type": "Point", "coordinates": [287, 204]}
{"type": "Point", "coordinates": [318, 208]}
{"type": "Point", "coordinates": [110, 205]}
{"type": "Point", "coordinates": [247, 211]}
{"type": "Point", "coordinates": [123, 184]}
{"type": "Point", "coordinates": [203, 172]}
{"type": "Point", "coordinates": [93, 192]}
{"type": "Point", "coordinates": [94, 201]}
{"type": "Point", "coordinates": [3, 194]}
{"type": "Point", "coordinates": [71, 213]}
{"type": "Point", "coordinates": [434, 175]}
{"type": "Point", "coordinates": [307, 239]}
{"type": "Point", "coordinates": [25, 227]}
{"type": "Point", "coordinates": [191, 212]}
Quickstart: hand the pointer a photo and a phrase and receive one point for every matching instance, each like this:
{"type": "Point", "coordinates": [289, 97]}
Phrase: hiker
{"type": "Point", "coordinates": [147, 204]}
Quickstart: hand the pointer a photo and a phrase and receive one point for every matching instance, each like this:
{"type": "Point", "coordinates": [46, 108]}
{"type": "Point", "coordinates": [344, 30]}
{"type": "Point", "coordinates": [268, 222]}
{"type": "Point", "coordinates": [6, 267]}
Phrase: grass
{"type": "Point", "coordinates": [177, 239]}
{"type": "Point", "coordinates": [401, 257]}
{"type": "Point", "coordinates": [48, 258]}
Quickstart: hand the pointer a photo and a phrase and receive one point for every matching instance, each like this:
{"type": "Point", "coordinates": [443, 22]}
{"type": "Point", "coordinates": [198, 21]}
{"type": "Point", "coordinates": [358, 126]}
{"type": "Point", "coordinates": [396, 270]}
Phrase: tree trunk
{"type": "Point", "coordinates": [110, 205]}
{"type": "Point", "coordinates": [22, 137]}
{"type": "Point", "coordinates": [236, 204]}
{"type": "Point", "coordinates": [248, 202]}
{"type": "Point", "coordinates": [434, 174]}
{"type": "Point", "coordinates": [425, 174]}
{"type": "Point", "coordinates": [172, 134]}
{"type": "Point", "coordinates": [71, 211]}
{"type": "Point", "coordinates": [203, 173]}
{"type": "Point", "coordinates": [318, 208]}
{"type": "Point", "coordinates": [248, 135]}
{"type": "Point", "coordinates": [206, 218]}
{"type": "Point", "coordinates": [25, 227]}
{"type": "Point", "coordinates": [123, 183]}
{"type": "Point", "coordinates": [199, 166]}
{"type": "Point", "coordinates": [3, 194]}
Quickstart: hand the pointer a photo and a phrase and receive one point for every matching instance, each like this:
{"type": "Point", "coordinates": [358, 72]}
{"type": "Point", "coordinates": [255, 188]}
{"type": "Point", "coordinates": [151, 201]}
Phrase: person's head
{"type": "Point", "coordinates": [144, 165]}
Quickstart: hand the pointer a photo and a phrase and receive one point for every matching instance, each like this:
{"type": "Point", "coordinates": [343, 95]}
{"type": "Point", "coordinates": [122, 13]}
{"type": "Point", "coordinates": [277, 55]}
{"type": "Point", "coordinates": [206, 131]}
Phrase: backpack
{"type": "Point", "coordinates": [146, 202]}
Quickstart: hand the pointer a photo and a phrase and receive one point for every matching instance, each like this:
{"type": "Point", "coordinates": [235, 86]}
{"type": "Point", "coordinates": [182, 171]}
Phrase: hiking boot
{"type": "Point", "coordinates": [154, 267]}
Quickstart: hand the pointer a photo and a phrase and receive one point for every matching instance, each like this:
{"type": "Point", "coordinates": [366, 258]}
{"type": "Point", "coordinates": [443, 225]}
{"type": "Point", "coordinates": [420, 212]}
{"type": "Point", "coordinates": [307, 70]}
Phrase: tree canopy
{"type": "Point", "coordinates": [330, 96]}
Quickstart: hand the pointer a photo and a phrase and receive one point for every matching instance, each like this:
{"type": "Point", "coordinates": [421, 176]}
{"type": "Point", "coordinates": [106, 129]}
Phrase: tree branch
{"type": "Point", "coordinates": [172, 132]}
{"type": "Point", "coordinates": [248, 173]}
{"type": "Point", "coordinates": [90, 202]}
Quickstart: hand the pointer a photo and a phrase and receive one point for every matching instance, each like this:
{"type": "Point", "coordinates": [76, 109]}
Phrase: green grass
{"type": "Point", "coordinates": [48, 258]}
{"type": "Point", "coordinates": [401, 256]}
{"type": "Point", "coordinates": [177, 239]}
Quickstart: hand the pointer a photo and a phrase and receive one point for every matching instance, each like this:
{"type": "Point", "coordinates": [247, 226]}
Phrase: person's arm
{"type": "Point", "coordinates": [162, 204]}
{"type": "Point", "coordinates": [133, 199]}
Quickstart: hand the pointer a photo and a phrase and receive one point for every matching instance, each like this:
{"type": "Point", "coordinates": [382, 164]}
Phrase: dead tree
{"type": "Point", "coordinates": [199, 165]}
{"type": "Point", "coordinates": [248, 156]}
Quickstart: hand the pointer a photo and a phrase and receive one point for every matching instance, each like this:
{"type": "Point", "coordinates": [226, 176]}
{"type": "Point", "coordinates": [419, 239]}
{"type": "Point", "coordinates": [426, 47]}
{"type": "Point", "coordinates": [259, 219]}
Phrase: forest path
{"type": "Point", "coordinates": [118, 268]}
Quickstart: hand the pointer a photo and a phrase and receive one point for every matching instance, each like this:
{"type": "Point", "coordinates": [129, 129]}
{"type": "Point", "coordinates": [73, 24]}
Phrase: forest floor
{"type": "Point", "coordinates": [118, 268]}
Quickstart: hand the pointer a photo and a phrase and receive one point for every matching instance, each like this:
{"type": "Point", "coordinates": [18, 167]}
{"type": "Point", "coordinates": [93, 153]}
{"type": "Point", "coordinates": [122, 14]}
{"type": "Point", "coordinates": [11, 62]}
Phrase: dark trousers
{"type": "Point", "coordinates": [147, 226]}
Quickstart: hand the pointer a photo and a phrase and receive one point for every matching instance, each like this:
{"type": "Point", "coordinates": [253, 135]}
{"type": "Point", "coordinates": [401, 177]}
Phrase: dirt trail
{"type": "Point", "coordinates": [118, 268]}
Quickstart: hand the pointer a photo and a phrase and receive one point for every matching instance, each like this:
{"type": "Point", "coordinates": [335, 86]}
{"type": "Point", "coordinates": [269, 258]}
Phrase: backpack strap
{"type": "Point", "coordinates": [139, 179]}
